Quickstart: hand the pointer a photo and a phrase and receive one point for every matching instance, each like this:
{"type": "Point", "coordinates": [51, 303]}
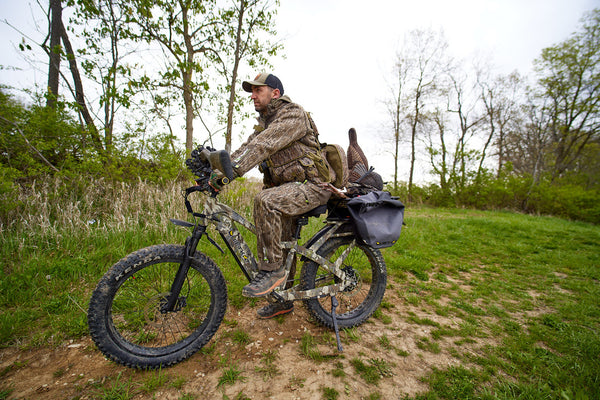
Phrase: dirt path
{"type": "Point", "coordinates": [78, 369]}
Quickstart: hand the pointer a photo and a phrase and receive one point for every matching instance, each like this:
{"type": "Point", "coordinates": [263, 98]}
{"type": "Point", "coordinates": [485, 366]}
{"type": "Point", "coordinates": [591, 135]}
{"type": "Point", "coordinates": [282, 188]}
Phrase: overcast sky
{"type": "Point", "coordinates": [340, 52]}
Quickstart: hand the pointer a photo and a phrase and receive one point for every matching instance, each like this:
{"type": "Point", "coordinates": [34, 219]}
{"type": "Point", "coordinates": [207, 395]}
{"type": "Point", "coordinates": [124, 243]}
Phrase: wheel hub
{"type": "Point", "coordinates": [179, 304]}
{"type": "Point", "coordinates": [352, 279]}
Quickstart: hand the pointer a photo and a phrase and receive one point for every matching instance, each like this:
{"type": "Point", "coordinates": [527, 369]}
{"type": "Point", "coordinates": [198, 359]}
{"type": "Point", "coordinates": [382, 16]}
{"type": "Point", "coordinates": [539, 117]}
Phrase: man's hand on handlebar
{"type": "Point", "coordinates": [212, 167]}
{"type": "Point", "coordinates": [218, 180]}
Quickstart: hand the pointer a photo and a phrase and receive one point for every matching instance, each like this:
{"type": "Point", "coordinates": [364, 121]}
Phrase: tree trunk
{"type": "Point", "coordinates": [111, 82]}
{"type": "Point", "coordinates": [234, 73]}
{"type": "Point", "coordinates": [396, 146]}
{"type": "Point", "coordinates": [413, 139]}
{"type": "Point", "coordinates": [188, 102]}
{"type": "Point", "coordinates": [186, 74]}
{"type": "Point", "coordinates": [54, 52]}
{"type": "Point", "coordinates": [79, 96]}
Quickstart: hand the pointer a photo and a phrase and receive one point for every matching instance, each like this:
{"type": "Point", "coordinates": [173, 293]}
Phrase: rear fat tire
{"type": "Point", "coordinates": [357, 305]}
{"type": "Point", "coordinates": [124, 315]}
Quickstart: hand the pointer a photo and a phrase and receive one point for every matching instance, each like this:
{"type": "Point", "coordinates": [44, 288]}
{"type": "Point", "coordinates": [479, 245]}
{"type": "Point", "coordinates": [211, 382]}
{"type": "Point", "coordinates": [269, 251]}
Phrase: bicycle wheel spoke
{"type": "Point", "coordinates": [140, 300]}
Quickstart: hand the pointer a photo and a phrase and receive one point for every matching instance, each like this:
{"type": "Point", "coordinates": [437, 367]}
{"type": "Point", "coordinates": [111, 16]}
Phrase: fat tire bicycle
{"type": "Point", "coordinates": [161, 304]}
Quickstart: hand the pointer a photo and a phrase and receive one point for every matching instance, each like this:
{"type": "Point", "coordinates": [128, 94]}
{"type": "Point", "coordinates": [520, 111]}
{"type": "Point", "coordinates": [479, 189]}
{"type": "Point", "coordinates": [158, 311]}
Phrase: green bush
{"type": "Point", "coordinates": [566, 201]}
{"type": "Point", "coordinates": [566, 198]}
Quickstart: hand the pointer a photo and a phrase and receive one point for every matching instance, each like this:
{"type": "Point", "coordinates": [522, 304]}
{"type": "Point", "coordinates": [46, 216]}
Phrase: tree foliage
{"type": "Point", "coordinates": [246, 20]}
{"type": "Point", "coordinates": [204, 43]}
{"type": "Point", "coordinates": [496, 142]}
{"type": "Point", "coordinates": [117, 77]}
{"type": "Point", "coordinates": [569, 93]}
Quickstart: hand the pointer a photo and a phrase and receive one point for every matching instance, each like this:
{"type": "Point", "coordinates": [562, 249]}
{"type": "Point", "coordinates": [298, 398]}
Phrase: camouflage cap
{"type": "Point", "coordinates": [264, 79]}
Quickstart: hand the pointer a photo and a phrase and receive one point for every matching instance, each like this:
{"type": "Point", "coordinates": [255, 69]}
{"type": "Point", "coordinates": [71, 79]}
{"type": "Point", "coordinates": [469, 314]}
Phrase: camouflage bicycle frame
{"type": "Point", "coordinates": [224, 219]}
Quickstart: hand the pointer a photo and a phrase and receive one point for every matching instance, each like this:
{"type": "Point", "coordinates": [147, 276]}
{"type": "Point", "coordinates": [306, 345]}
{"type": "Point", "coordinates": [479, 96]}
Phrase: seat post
{"type": "Point", "coordinates": [303, 219]}
{"type": "Point", "coordinates": [300, 222]}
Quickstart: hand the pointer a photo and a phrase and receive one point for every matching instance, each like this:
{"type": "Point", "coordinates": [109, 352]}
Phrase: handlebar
{"type": "Point", "coordinates": [203, 161]}
{"type": "Point", "coordinates": [219, 160]}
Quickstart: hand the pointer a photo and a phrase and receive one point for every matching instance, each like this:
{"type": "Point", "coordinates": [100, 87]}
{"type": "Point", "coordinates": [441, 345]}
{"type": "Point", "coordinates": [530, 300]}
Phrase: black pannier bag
{"type": "Point", "coordinates": [377, 218]}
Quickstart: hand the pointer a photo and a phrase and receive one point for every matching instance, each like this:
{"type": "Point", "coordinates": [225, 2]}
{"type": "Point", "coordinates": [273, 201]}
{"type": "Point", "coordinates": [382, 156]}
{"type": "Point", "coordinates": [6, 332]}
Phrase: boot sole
{"type": "Point", "coordinates": [266, 292]}
{"type": "Point", "coordinates": [281, 312]}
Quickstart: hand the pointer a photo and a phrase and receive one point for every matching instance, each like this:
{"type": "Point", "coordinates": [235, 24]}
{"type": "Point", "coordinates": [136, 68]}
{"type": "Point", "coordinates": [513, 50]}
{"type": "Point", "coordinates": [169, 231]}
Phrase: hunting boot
{"type": "Point", "coordinates": [274, 309]}
{"type": "Point", "coordinates": [264, 283]}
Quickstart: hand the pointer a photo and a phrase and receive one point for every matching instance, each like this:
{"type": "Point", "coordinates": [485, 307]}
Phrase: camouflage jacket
{"type": "Point", "coordinates": [284, 145]}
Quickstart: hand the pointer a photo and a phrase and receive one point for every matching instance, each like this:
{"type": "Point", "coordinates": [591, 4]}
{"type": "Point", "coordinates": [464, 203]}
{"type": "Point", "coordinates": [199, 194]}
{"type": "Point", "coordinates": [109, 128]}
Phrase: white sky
{"type": "Point", "coordinates": [339, 52]}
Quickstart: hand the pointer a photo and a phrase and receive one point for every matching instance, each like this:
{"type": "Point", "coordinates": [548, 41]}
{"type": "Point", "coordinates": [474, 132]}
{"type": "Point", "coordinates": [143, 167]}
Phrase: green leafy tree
{"type": "Point", "coordinates": [397, 106]}
{"type": "Point", "coordinates": [199, 38]}
{"type": "Point", "coordinates": [423, 61]}
{"type": "Point", "coordinates": [57, 34]}
{"type": "Point", "coordinates": [37, 140]}
{"type": "Point", "coordinates": [103, 27]}
{"type": "Point", "coordinates": [569, 92]}
{"type": "Point", "coordinates": [439, 156]}
{"type": "Point", "coordinates": [186, 31]}
{"type": "Point", "coordinates": [500, 97]}
{"type": "Point", "coordinates": [249, 24]}
{"type": "Point", "coordinates": [463, 105]}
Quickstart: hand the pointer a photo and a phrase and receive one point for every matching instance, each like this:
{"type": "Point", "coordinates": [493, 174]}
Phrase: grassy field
{"type": "Point", "coordinates": [525, 289]}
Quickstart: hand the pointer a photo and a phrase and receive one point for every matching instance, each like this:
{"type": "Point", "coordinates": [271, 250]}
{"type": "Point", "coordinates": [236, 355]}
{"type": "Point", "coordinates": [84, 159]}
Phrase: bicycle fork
{"type": "Point", "coordinates": [173, 301]}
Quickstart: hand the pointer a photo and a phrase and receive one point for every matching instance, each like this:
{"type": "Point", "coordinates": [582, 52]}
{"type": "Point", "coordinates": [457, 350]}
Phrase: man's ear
{"type": "Point", "coordinates": [276, 93]}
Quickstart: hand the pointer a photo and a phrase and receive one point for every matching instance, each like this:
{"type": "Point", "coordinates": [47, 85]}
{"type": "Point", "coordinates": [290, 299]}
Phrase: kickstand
{"type": "Point", "coordinates": [334, 304]}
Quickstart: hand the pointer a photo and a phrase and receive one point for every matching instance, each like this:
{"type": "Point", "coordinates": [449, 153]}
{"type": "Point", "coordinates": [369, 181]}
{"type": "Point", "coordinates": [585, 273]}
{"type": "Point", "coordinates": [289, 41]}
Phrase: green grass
{"type": "Point", "coordinates": [4, 393]}
{"type": "Point", "coordinates": [241, 337]}
{"type": "Point", "coordinates": [231, 375]}
{"type": "Point", "coordinates": [330, 393]}
{"type": "Point", "coordinates": [527, 285]}
{"type": "Point", "coordinates": [268, 369]}
{"type": "Point", "coordinates": [153, 381]}
{"type": "Point", "coordinates": [308, 348]}
{"type": "Point", "coordinates": [529, 282]}
{"type": "Point", "coordinates": [119, 389]}
{"type": "Point", "coordinates": [373, 370]}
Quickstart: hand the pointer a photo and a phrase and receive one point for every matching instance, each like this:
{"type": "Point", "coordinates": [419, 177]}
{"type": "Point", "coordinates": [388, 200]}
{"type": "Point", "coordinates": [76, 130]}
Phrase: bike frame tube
{"type": "Point", "coordinates": [224, 218]}
{"type": "Point", "coordinates": [247, 262]}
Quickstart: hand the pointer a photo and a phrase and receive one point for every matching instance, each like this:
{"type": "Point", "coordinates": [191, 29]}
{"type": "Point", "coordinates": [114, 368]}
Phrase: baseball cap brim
{"type": "Point", "coordinates": [263, 79]}
{"type": "Point", "coordinates": [247, 85]}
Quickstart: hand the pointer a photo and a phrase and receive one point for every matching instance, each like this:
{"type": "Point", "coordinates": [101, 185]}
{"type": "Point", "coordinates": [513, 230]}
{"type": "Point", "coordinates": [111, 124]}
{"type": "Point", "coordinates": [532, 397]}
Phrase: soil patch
{"type": "Point", "coordinates": [79, 370]}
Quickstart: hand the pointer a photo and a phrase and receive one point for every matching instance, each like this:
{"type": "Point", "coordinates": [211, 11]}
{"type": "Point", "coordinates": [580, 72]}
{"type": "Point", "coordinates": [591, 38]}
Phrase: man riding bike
{"type": "Point", "coordinates": [285, 147]}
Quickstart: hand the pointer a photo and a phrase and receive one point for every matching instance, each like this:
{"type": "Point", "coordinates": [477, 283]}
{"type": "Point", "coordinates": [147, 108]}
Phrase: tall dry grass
{"type": "Point", "coordinates": [55, 207]}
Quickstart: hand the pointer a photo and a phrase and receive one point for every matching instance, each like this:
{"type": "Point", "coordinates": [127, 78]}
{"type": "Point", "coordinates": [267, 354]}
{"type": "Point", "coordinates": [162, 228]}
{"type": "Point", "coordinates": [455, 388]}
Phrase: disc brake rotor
{"type": "Point", "coordinates": [354, 281]}
{"type": "Point", "coordinates": [154, 309]}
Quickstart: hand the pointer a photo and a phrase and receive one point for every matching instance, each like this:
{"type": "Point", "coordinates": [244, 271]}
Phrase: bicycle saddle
{"type": "Point", "coordinates": [315, 212]}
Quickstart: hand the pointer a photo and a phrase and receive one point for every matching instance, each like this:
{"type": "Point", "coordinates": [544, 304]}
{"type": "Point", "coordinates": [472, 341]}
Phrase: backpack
{"type": "Point", "coordinates": [338, 164]}
{"type": "Point", "coordinates": [335, 158]}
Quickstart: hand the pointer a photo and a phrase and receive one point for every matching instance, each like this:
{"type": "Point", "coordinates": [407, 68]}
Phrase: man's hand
{"type": "Point", "coordinates": [217, 180]}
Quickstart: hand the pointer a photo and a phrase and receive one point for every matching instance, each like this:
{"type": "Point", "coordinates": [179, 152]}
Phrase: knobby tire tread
{"type": "Point", "coordinates": [101, 326]}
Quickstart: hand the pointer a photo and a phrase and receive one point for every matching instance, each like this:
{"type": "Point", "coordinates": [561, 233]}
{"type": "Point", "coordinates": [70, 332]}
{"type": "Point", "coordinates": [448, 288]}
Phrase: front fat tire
{"type": "Point", "coordinates": [358, 304]}
{"type": "Point", "coordinates": [124, 315]}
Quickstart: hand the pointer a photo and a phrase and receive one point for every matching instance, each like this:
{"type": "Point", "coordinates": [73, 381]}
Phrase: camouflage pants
{"type": "Point", "coordinates": [275, 212]}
